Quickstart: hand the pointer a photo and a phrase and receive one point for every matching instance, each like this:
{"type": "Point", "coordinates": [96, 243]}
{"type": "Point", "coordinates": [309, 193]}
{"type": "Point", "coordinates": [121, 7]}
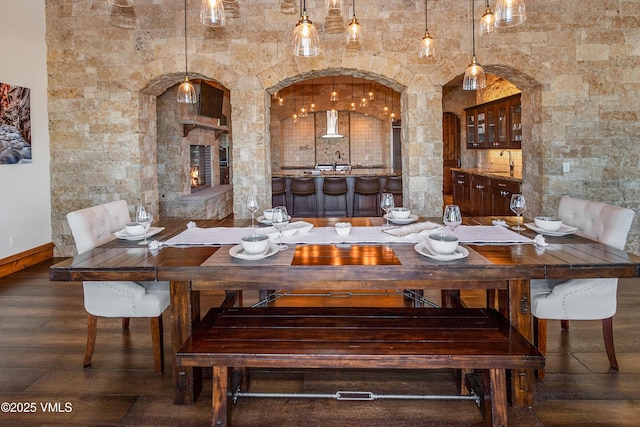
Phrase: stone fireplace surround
{"type": "Point", "coordinates": [174, 162]}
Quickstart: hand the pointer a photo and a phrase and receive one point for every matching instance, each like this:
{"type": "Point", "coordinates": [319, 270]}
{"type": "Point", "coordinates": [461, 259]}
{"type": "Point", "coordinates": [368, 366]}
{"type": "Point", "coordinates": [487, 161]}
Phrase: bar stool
{"type": "Point", "coordinates": [304, 188]}
{"type": "Point", "coordinates": [278, 192]}
{"type": "Point", "coordinates": [366, 196]}
{"type": "Point", "coordinates": [394, 186]}
{"type": "Point", "coordinates": [333, 188]}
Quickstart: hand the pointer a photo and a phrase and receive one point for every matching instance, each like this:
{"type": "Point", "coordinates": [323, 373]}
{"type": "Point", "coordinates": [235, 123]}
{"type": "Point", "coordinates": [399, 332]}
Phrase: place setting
{"type": "Point", "coordinates": [550, 226]}
{"type": "Point", "coordinates": [140, 229]}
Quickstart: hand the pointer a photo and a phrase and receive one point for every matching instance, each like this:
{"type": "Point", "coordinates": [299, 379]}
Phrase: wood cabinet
{"type": "Point", "coordinates": [461, 190]}
{"type": "Point", "coordinates": [495, 124]}
{"type": "Point", "coordinates": [501, 192]}
{"type": "Point", "coordinates": [482, 195]}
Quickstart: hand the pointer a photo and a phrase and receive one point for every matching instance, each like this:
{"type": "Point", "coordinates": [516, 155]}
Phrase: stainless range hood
{"type": "Point", "coordinates": [332, 125]}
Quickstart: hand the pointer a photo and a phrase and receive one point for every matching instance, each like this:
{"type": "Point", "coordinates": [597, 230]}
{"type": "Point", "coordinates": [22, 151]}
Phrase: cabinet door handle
{"type": "Point", "coordinates": [504, 193]}
{"type": "Point", "coordinates": [461, 182]}
{"type": "Point", "coordinates": [501, 185]}
{"type": "Point", "coordinates": [479, 187]}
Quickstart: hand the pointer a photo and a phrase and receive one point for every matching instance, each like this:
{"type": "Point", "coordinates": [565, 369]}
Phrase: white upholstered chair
{"type": "Point", "coordinates": [92, 227]}
{"type": "Point", "coordinates": [583, 299]}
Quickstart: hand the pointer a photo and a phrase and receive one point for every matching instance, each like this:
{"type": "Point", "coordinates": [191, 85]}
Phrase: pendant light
{"type": "Point", "coordinates": [333, 7]}
{"type": "Point", "coordinates": [488, 22]}
{"type": "Point", "coordinates": [306, 42]}
{"type": "Point", "coordinates": [474, 77]}
{"type": "Point", "coordinates": [295, 107]}
{"type": "Point", "coordinates": [364, 101]}
{"type": "Point", "coordinates": [385, 109]}
{"type": "Point", "coordinates": [334, 92]}
{"type": "Point", "coordinates": [186, 91]}
{"type": "Point", "coordinates": [354, 32]}
{"type": "Point", "coordinates": [510, 13]}
{"type": "Point", "coordinates": [212, 13]}
{"type": "Point", "coordinates": [352, 106]}
{"type": "Point", "coordinates": [427, 45]}
{"type": "Point", "coordinates": [372, 95]}
{"type": "Point", "coordinates": [303, 109]}
{"type": "Point", "coordinates": [392, 115]}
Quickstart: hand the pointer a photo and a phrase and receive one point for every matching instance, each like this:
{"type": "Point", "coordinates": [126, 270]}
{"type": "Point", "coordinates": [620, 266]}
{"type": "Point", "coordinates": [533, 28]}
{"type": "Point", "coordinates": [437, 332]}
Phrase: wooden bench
{"type": "Point", "coordinates": [341, 337]}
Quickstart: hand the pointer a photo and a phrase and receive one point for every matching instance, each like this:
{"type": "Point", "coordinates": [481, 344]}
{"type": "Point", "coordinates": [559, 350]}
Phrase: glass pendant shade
{"type": "Point", "coordinates": [306, 42]}
{"type": "Point", "coordinates": [354, 34]}
{"type": "Point", "coordinates": [212, 13]}
{"type": "Point", "coordinates": [352, 106]}
{"type": "Point", "coordinates": [488, 23]}
{"type": "Point", "coordinates": [333, 7]}
{"type": "Point", "coordinates": [303, 112]}
{"type": "Point", "coordinates": [474, 77]}
{"type": "Point", "coordinates": [334, 95]}
{"type": "Point", "coordinates": [510, 13]}
{"type": "Point", "coordinates": [186, 92]}
{"type": "Point", "coordinates": [427, 47]}
{"type": "Point", "coordinates": [364, 101]}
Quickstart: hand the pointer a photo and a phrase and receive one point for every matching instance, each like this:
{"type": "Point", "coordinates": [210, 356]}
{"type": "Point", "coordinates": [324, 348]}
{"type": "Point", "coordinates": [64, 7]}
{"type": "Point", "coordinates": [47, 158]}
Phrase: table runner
{"type": "Point", "coordinates": [413, 233]}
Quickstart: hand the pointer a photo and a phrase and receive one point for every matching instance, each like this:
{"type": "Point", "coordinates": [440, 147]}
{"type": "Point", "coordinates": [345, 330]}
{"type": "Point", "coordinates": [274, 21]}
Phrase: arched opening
{"type": "Point", "coordinates": [344, 124]}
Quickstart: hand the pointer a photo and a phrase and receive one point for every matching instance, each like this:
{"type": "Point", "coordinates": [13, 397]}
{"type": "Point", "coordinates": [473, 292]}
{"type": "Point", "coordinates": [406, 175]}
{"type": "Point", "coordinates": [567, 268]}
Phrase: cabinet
{"type": "Point", "coordinates": [501, 191]}
{"type": "Point", "coordinates": [481, 195]}
{"type": "Point", "coordinates": [461, 188]}
{"type": "Point", "coordinates": [495, 124]}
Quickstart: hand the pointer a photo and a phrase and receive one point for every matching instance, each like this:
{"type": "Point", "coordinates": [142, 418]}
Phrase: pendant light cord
{"type": "Point", "coordinates": [354, 7]}
{"type": "Point", "coordinates": [186, 67]}
{"type": "Point", "coordinates": [473, 27]}
{"type": "Point", "coordinates": [426, 15]}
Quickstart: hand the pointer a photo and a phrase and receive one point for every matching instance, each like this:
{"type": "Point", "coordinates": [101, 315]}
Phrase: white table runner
{"type": "Point", "coordinates": [327, 235]}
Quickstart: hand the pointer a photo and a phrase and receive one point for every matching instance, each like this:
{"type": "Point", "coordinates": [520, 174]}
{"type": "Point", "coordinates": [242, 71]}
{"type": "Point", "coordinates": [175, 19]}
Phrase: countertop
{"type": "Point", "coordinates": [496, 174]}
{"type": "Point", "coordinates": [353, 172]}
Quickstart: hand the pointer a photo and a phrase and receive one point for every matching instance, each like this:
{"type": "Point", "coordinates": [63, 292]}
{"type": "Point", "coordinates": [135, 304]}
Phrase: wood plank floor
{"type": "Point", "coordinates": [42, 339]}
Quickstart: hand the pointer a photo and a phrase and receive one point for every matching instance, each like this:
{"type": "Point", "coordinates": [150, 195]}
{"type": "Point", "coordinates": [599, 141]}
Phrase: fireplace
{"type": "Point", "coordinates": [200, 171]}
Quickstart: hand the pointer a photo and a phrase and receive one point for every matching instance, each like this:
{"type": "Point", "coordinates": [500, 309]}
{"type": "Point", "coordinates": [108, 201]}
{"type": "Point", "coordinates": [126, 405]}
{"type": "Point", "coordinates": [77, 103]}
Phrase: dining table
{"type": "Point", "coordinates": [393, 262]}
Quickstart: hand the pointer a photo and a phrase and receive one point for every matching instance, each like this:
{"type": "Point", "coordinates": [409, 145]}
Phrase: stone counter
{"type": "Point", "coordinates": [290, 173]}
{"type": "Point", "coordinates": [516, 176]}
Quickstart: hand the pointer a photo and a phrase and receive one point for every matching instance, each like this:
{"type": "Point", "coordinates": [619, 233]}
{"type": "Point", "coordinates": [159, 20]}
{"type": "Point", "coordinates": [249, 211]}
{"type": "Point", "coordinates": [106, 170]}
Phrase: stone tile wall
{"type": "Point", "coordinates": [577, 70]}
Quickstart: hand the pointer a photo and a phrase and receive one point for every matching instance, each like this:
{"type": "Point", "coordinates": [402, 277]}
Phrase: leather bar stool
{"type": "Point", "coordinates": [303, 192]}
{"type": "Point", "coordinates": [278, 192]}
{"type": "Point", "coordinates": [394, 186]}
{"type": "Point", "coordinates": [333, 188]}
{"type": "Point", "coordinates": [366, 196]}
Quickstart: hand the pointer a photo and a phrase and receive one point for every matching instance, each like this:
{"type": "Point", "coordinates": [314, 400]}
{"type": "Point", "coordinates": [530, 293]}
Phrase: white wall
{"type": "Point", "coordinates": [25, 200]}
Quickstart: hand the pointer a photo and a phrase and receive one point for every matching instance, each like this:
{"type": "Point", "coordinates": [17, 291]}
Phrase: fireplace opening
{"type": "Point", "coordinates": [200, 171]}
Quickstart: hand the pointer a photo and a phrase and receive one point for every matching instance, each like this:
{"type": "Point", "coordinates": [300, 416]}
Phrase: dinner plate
{"type": "Point", "coordinates": [412, 218]}
{"type": "Point", "coordinates": [461, 252]}
{"type": "Point", "coordinates": [296, 228]}
{"type": "Point", "coordinates": [262, 220]}
{"type": "Point", "coordinates": [238, 252]}
{"type": "Point", "coordinates": [564, 230]}
{"type": "Point", "coordinates": [122, 234]}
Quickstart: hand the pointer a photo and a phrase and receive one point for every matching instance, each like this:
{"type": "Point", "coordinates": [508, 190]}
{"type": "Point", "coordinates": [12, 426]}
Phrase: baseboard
{"type": "Point", "coordinates": [26, 259]}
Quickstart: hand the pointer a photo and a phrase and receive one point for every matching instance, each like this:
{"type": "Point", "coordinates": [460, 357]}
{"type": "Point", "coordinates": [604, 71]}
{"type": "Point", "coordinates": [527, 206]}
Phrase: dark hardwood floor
{"type": "Point", "coordinates": [42, 339]}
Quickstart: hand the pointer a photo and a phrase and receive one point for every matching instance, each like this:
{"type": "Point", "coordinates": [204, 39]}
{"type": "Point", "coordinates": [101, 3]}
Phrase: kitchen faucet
{"type": "Point", "coordinates": [510, 159]}
{"type": "Point", "coordinates": [335, 162]}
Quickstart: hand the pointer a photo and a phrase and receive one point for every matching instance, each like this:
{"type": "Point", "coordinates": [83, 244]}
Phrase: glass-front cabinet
{"type": "Point", "coordinates": [495, 124]}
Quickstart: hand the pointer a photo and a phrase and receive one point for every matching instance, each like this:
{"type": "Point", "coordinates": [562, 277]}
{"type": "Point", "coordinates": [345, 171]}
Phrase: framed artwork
{"type": "Point", "coordinates": [15, 124]}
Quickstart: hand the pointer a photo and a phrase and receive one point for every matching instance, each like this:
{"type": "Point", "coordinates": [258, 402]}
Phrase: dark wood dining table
{"type": "Point", "coordinates": [505, 268]}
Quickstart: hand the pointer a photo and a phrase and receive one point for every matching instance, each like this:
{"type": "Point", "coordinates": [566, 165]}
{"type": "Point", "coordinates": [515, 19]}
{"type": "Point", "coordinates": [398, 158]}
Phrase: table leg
{"type": "Point", "coordinates": [185, 306]}
{"type": "Point", "coordinates": [522, 381]}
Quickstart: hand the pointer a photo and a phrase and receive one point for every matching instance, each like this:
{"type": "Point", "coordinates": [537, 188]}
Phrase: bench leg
{"type": "Point", "coordinates": [221, 407]}
{"type": "Point", "coordinates": [496, 400]}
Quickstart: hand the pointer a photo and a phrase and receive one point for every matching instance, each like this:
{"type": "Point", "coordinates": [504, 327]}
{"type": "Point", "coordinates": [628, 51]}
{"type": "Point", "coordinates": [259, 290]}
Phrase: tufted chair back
{"type": "Point", "coordinates": [95, 226]}
{"type": "Point", "coordinates": [596, 220]}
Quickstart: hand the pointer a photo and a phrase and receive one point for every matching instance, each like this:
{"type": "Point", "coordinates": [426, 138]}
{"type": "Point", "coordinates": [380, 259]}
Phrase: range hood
{"type": "Point", "coordinates": [332, 125]}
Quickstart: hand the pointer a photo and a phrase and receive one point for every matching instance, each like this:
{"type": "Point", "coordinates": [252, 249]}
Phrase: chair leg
{"type": "Point", "coordinates": [540, 340]}
{"type": "Point", "coordinates": [607, 330]}
{"type": "Point", "coordinates": [125, 323]}
{"type": "Point", "coordinates": [92, 328]}
{"type": "Point", "coordinates": [158, 344]}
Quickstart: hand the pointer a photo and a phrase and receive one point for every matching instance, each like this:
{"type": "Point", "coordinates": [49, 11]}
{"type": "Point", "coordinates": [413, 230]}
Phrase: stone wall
{"type": "Point", "coordinates": [577, 70]}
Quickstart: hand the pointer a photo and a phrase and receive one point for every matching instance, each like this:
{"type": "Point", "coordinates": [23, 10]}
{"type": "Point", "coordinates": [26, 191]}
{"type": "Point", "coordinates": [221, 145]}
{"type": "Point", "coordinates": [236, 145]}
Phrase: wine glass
{"type": "Point", "coordinates": [280, 220]}
{"type": "Point", "coordinates": [387, 203]}
{"type": "Point", "coordinates": [144, 218]}
{"type": "Point", "coordinates": [252, 206]}
{"type": "Point", "coordinates": [518, 206]}
{"type": "Point", "coordinates": [452, 216]}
